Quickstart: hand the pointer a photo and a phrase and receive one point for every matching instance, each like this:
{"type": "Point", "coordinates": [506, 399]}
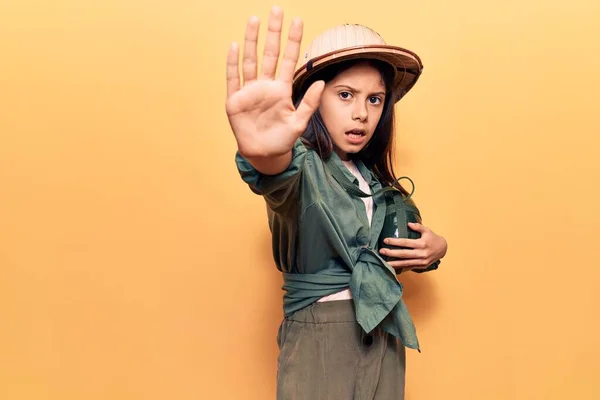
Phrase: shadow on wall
{"type": "Point", "coordinates": [422, 300]}
{"type": "Point", "coordinates": [420, 295]}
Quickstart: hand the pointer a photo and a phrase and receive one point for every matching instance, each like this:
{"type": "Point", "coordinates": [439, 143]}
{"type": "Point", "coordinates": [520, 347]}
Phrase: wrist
{"type": "Point", "coordinates": [271, 164]}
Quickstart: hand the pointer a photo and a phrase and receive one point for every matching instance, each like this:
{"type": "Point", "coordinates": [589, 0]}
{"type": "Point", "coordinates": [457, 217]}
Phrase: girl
{"type": "Point", "coordinates": [316, 143]}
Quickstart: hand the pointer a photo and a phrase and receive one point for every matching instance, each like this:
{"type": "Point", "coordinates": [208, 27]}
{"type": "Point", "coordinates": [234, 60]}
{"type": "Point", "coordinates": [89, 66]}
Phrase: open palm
{"type": "Point", "coordinates": [261, 113]}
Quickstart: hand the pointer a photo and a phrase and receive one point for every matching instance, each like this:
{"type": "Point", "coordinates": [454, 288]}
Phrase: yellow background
{"type": "Point", "coordinates": [135, 264]}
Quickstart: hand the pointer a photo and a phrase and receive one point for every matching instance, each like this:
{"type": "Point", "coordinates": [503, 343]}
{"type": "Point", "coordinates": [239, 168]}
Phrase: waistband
{"type": "Point", "coordinates": [325, 312]}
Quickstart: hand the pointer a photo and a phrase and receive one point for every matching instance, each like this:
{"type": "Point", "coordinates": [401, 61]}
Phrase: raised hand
{"type": "Point", "coordinates": [261, 113]}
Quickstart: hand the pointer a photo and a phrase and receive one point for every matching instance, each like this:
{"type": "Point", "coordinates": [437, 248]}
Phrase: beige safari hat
{"type": "Point", "coordinates": [352, 41]}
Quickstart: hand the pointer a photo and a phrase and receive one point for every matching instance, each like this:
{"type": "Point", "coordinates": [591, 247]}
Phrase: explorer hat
{"type": "Point", "coordinates": [352, 41]}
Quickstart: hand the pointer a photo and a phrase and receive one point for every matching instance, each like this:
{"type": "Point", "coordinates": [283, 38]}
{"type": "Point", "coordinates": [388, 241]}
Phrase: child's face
{"type": "Point", "coordinates": [353, 100]}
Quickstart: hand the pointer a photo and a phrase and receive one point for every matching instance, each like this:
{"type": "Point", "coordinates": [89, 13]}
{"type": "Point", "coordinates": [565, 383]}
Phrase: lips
{"type": "Point", "coordinates": [356, 136]}
{"type": "Point", "coordinates": [360, 132]}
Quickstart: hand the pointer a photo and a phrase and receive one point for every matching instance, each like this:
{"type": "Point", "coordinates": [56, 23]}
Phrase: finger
{"type": "Point", "coordinates": [409, 263]}
{"type": "Point", "coordinates": [404, 242]}
{"type": "Point", "coordinates": [406, 254]}
{"type": "Point", "coordinates": [233, 73]}
{"type": "Point", "coordinates": [310, 103]}
{"type": "Point", "coordinates": [415, 226]}
{"type": "Point", "coordinates": [273, 43]}
{"type": "Point", "coordinates": [292, 51]}
{"type": "Point", "coordinates": [249, 62]}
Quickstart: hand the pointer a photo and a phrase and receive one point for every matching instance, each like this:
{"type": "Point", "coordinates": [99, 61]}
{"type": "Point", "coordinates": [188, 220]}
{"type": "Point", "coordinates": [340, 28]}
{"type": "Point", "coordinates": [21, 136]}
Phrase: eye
{"type": "Point", "coordinates": [345, 95]}
{"type": "Point", "coordinates": [375, 100]}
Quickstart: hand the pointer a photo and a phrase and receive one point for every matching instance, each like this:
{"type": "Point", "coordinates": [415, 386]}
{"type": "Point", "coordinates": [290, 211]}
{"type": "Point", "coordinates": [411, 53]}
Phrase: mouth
{"type": "Point", "coordinates": [356, 137]}
{"type": "Point", "coordinates": [356, 133]}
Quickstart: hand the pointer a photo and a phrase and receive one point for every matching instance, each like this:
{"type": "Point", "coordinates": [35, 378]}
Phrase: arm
{"type": "Point", "coordinates": [271, 165]}
{"type": "Point", "coordinates": [280, 189]}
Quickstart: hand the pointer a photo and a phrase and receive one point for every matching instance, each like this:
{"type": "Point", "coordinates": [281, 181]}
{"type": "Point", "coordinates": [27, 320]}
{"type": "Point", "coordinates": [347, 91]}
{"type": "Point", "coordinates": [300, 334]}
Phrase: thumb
{"type": "Point", "coordinates": [309, 104]}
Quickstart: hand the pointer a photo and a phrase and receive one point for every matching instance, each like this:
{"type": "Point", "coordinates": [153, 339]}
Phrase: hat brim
{"type": "Point", "coordinates": [408, 65]}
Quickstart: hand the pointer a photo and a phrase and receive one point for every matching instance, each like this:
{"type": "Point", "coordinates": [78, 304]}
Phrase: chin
{"type": "Point", "coordinates": [350, 149]}
{"type": "Point", "coordinates": [355, 149]}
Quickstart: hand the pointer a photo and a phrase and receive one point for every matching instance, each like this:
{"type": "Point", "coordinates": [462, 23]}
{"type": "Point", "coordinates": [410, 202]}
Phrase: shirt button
{"type": "Point", "coordinates": [368, 340]}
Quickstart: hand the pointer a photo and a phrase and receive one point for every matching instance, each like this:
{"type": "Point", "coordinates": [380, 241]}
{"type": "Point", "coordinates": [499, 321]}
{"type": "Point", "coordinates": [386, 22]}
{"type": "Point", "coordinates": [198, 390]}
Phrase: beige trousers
{"type": "Point", "coordinates": [325, 355]}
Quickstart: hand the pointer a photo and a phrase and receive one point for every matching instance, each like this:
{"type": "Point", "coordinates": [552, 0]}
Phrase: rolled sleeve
{"type": "Point", "coordinates": [278, 190]}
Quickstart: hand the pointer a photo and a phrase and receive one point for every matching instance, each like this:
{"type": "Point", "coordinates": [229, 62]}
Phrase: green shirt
{"type": "Point", "coordinates": [322, 241]}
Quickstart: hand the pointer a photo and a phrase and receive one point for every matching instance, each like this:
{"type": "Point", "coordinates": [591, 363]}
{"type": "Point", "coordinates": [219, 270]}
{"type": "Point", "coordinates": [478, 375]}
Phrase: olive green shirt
{"type": "Point", "coordinates": [323, 243]}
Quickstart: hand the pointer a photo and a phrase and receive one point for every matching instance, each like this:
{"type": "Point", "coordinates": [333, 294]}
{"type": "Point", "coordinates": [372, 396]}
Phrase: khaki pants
{"type": "Point", "coordinates": [325, 355]}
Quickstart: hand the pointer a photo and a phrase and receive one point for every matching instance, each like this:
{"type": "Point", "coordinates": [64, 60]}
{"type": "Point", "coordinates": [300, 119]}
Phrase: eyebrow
{"type": "Point", "coordinates": [358, 91]}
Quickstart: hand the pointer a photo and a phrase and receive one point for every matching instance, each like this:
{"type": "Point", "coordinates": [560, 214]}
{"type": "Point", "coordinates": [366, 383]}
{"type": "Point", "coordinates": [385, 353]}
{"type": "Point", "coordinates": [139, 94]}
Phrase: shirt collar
{"type": "Point", "coordinates": [364, 171]}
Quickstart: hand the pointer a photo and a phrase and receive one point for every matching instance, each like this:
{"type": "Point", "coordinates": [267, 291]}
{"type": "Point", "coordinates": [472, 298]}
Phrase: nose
{"type": "Point", "coordinates": [360, 111]}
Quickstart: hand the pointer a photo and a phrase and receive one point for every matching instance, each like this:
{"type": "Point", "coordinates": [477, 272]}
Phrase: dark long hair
{"type": "Point", "coordinates": [378, 154]}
